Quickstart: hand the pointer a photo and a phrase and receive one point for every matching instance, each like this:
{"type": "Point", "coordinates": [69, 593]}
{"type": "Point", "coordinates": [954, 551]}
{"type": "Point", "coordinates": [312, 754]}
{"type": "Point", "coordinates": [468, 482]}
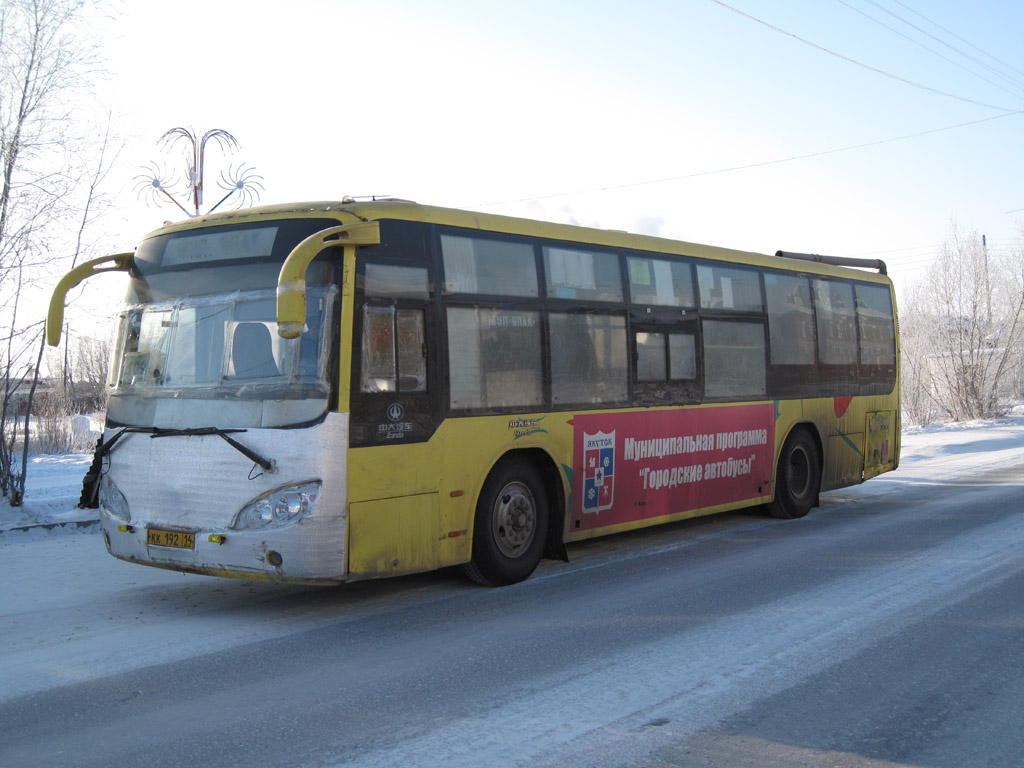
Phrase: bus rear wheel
{"type": "Point", "coordinates": [797, 478]}
{"type": "Point", "coordinates": [510, 526]}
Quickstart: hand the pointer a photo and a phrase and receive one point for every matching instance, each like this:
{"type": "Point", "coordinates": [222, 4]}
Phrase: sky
{"type": "Point", "coordinates": [674, 118]}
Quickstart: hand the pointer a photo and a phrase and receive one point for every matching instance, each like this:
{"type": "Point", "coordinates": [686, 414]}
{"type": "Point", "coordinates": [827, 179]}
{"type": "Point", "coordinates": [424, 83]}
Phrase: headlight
{"type": "Point", "coordinates": [279, 507]}
{"type": "Point", "coordinates": [112, 500]}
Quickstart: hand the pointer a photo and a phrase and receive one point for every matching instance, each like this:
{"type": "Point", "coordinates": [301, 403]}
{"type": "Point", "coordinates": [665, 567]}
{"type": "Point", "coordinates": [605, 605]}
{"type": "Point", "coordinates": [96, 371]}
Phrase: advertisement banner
{"type": "Point", "coordinates": [644, 464]}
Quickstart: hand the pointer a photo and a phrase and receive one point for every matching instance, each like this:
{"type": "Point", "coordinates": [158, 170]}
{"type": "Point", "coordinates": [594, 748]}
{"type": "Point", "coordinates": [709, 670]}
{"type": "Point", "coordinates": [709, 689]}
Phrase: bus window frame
{"type": "Point", "coordinates": [489, 302]}
{"type": "Point", "coordinates": [408, 416]}
{"type": "Point", "coordinates": [668, 391]}
{"type": "Point", "coordinates": [782, 381]}
{"type": "Point", "coordinates": [874, 378]}
{"type": "Point", "coordinates": [788, 381]}
{"type": "Point", "coordinates": [837, 379]}
{"type": "Point", "coordinates": [645, 317]}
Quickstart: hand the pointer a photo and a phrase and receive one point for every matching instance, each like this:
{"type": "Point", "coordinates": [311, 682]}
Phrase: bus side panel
{"type": "Point", "coordinates": [405, 508]}
{"type": "Point", "coordinates": [388, 537]}
{"type": "Point", "coordinates": [844, 461]}
{"type": "Point", "coordinates": [634, 468]}
{"type": "Point", "coordinates": [881, 453]}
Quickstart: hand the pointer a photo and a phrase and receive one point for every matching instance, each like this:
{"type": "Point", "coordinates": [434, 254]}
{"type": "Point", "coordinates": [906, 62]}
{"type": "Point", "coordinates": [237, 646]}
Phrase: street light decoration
{"type": "Point", "coordinates": [155, 184]}
{"type": "Point", "coordinates": [244, 182]}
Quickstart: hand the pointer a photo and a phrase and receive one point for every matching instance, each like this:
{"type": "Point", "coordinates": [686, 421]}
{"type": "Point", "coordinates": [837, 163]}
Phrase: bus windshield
{"type": "Point", "coordinates": [197, 344]}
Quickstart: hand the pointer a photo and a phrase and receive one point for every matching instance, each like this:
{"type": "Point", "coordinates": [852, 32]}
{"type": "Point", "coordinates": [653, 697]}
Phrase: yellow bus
{"type": "Point", "coordinates": [327, 392]}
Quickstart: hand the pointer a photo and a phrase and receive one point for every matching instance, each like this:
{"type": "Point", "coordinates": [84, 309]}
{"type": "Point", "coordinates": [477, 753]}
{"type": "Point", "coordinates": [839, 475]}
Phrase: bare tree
{"type": "Point", "coordinates": [81, 372]}
{"type": "Point", "coordinates": [919, 402]}
{"type": "Point", "coordinates": [48, 189]}
{"type": "Point", "coordinates": [963, 331]}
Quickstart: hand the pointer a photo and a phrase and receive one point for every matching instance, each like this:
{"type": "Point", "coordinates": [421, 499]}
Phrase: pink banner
{"type": "Point", "coordinates": [643, 464]}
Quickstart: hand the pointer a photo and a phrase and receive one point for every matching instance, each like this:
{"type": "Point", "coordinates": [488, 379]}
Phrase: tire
{"type": "Point", "coordinates": [797, 478]}
{"type": "Point", "coordinates": [510, 527]}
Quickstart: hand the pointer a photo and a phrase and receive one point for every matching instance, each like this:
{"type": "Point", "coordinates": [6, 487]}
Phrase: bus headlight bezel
{"type": "Point", "coordinates": [112, 501]}
{"type": "Point", "coordinates": [279, 507]}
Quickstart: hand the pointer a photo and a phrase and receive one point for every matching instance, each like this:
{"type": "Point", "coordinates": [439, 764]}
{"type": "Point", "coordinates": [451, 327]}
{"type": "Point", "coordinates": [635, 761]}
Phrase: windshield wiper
{"type": "Point", "coordinates": [250, 454]}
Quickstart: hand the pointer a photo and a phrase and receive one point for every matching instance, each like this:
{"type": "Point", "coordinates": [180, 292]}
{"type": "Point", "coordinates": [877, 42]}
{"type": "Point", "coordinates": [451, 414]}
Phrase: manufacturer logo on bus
{"type": "Point", "coordinates": [396, 429]}
{"type": "Point", "coordinates": [599, 471]}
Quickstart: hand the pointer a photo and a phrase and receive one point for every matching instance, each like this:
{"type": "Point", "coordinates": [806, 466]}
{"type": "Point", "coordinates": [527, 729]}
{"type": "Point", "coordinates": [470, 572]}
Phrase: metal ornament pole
{"type": "Point", "coordinates": [244, 182]}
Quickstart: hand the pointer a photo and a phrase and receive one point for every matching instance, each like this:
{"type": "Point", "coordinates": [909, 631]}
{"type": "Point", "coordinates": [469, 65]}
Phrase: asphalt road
{"type": "Point", "coordinates": [880, 631]}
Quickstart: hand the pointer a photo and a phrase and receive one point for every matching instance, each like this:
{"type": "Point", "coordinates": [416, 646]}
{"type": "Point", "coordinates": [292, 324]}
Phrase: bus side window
{"type": "Point", "coordinates": [877, 339]}
{"type": "Point", "coordinates": [394, 337]}
{"type": "Point", "coordinates": [652, 364]}
{"type": "Point", "coordinates": [394, 350]}
{"type": "Point", "coordinates": [875, 319]}
{"type": "Point", "coordinates": [835, 312]}
{"type": "Point", "coordinates": [837, 329]}
{"type": "Point", "coordinates": [379, 350]}
{"type": "Point", "coordinates": [790, 320]}
{"type": "Point", "coordinates": [589, 361]}
{"type": "Point", "coordinates": [412, 351]}
{"type": "Point", "coordinates": [734, 359]}
{"type": "Point", "coordinates": [494, 358]}
{"type": "Point", "coordinates": [582, 275]}
{"type": "Point", "coordinates": [655, 282]}
{"type": "Point", "coordinates": [495, 267]}
{"type": "Point", "coordinates": [682, 357]}
{"type": "Point", "coordinates": [729, 288]}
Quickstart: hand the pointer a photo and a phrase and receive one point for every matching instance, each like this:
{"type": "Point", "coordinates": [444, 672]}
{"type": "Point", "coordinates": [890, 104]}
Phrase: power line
{"type": "Point", "coordinates": [861, 64]}
{"type": "Point", "coordinates": [897, 251]}
{"type": "Point", "coordinates": [746, 167]}
{"type": "Point", "coordinates": [966, 55]}
{"type": "Point", "coordinates": [962, 40]}
{"type": "Point", "coordinates": [932, 51]}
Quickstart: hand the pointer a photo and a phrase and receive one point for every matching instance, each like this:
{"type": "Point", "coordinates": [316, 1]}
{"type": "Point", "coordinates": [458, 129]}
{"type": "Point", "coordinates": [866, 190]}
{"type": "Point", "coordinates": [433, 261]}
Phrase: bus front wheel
{"type": "Point", "coordinates": [511, 525]}
{"type": "Point", "coordinates": [797, 478]}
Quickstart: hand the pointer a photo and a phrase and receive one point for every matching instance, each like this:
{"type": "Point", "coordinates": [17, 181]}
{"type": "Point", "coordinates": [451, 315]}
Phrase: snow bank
{"type": "Point", "coordinates": [52, 489]}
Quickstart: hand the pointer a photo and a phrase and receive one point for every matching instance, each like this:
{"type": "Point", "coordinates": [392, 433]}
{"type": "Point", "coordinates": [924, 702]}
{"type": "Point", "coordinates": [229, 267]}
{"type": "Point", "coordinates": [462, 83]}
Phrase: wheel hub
{"type": "Point", "coordinates": [514, 520]}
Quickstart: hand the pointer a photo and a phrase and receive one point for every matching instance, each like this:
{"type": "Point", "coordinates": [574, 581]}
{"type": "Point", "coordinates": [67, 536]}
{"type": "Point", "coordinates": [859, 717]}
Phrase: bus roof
{"type": "Point", "coordinates": [349, 211]}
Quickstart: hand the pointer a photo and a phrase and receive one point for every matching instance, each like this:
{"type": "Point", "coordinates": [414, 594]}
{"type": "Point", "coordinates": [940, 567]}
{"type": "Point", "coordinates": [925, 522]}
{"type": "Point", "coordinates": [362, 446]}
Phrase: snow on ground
{"type": "Point", "coordinates": [69, 610]}
{"type": "Point", "coordinates": [54, 483]}
{"type": "Point", "coordinates": [52, 488]}
{"type": "Point", "coordinates": [948, 451]}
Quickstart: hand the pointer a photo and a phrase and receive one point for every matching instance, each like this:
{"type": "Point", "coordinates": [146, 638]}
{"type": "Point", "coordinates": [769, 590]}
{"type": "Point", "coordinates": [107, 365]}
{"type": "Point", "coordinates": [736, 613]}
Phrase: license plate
{"type": "Point", "coordinates": [175, 539]}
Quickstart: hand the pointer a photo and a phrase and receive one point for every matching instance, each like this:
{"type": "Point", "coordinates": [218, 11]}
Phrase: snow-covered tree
{"type": "Point", "coordinates": [962, 331]}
